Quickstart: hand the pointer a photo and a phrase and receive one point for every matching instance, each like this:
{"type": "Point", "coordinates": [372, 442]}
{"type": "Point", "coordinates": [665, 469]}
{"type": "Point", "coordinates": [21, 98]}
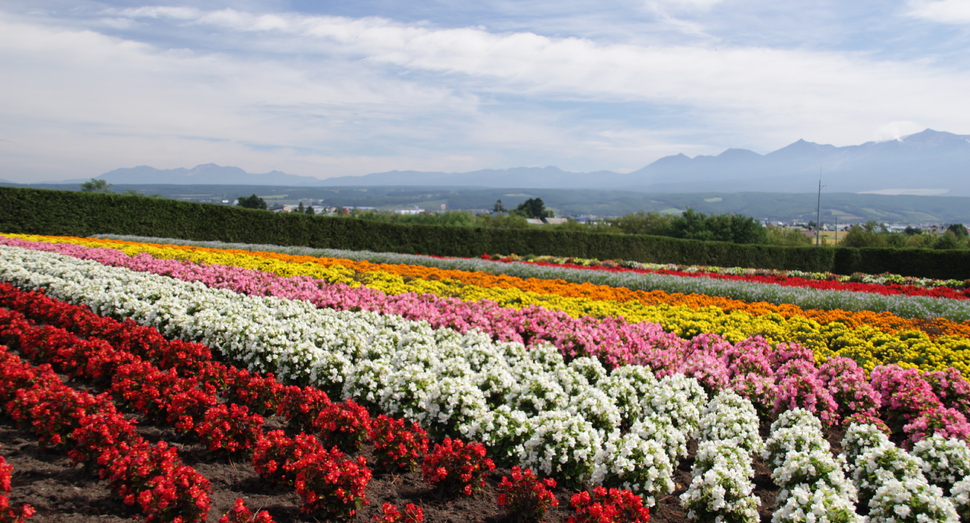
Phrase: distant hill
{"type": "Point", "coordinates": [841, 208]}
{"type": "Point", "coordinates": [925, 163]}
{"type": "Point", "coordinates": [514, 178]}
{"type": "Point", "coordinates": [206, 174]}
{"type": "Point", "coordinates": [929, 162]}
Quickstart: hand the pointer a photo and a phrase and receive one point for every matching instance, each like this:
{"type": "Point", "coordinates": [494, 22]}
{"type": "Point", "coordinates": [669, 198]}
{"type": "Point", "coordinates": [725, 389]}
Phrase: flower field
{"type": "Point", "coordinates": [328, 376]}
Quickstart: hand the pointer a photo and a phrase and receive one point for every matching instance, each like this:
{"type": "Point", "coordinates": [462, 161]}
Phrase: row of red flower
{"type": "Point", "coordinates": [96, 434]}
{"type": "Point", "coordinates": [9, 514]}
{"type": "Point", "coordinates": [185, 395]}
{"type": "Point", "coordinates": [326, 481]}
{"type": "Point", "coordinates": [888, 289]}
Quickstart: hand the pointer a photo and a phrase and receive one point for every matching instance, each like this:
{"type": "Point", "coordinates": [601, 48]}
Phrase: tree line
{"type": "Point", "coordinates": [874, 234]}
{"type": "Point", "coordinates": [689, 225]}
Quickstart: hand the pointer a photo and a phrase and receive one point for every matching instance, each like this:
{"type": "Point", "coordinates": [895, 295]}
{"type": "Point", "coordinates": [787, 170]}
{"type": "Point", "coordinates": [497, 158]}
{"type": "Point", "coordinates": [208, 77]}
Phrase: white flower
{"type": "Point", "coordinates": [636, 464]}
{"type": "Point", "coordinates": [560, 444]}
{"type": "Point", "coordinates": [945, 461]}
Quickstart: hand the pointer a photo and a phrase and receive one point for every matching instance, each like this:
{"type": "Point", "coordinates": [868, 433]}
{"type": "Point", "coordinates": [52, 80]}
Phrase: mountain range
{"type": "Point", "coordinates": [926, 163]}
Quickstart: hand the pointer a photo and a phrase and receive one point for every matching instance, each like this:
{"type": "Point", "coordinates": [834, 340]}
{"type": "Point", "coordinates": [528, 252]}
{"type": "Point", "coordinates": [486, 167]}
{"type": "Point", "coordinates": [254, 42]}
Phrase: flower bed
{"type": "Point", "coordinates": [692, 280]}
{"type": "Point", "coordinates": [576, 336]}
{"type": "Point", "coordinates": [558, 413]}
{"type": "Point", "coordinates": [300, 467]}
{"type": "Point", "coordinates": [150, 476]}
{"type": "Point", "coordinates": [375, 377]}
{"type": "Point", "coordinates": [876, 283]}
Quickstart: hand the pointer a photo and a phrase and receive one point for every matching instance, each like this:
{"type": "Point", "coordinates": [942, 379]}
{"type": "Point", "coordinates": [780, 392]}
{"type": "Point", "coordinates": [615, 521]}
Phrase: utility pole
{"type": "Point", "coordinates": [818, 210]}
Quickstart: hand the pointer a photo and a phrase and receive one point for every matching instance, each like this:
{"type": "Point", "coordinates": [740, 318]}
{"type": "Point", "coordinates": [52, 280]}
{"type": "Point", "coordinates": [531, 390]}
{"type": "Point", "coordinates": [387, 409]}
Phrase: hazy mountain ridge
{"type": "Point", "coordinates": [205, 174]}
{"type": "Point", "coordinates": [926, 160]}
{"type": "Point", "coordinates": [921, 163]}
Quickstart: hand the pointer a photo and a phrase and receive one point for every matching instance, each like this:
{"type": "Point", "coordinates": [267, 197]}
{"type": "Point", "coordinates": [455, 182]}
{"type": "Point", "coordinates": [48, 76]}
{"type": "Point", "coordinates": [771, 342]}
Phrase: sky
{"type": "Point", "coordinates": [323, 88]}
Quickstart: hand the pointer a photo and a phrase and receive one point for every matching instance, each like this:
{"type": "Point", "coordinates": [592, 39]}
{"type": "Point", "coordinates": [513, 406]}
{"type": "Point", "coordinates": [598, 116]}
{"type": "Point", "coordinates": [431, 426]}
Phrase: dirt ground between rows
{"type": "Point", "coordinates": [64, 493]}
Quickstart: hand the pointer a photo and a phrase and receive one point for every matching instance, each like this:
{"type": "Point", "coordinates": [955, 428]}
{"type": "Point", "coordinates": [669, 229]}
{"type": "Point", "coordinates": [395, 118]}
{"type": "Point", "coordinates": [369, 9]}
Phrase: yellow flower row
{"type": "Point", "coordinates": [867, 345]}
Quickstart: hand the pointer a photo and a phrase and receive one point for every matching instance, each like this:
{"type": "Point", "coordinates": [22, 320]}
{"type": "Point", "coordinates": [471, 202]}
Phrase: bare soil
{"type": "Point", "coordinates": [64, 493]}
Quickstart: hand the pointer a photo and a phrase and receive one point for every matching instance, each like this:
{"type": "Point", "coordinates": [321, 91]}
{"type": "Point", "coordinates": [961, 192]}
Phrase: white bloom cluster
{"type": "Point", "coordinates": [960, 495]}
{"type": "Point", "coordinates": [627, 385]}
{"type": "Point", "coordinates": [945, 461]}
{"type": "Point", "coordinates": [890, 481]}
{"type": "Point", "coordinates": [909, 500]}
{"type": "Point", "coordinates": [590, 368]}
{"type": "Point", "coordinates": [812, 481]}
{"type": "Point", "coordinates": [634, 463]}
{"type": "Point", "coordinates": [662, 430]}
{"type": "Point", "coordinates": [560, 444]}
{"type": "Point", "coordinates": [596, 407]}
{"type": "Point", "coordinates": [453, 405]}
{"type": "Point", "coordinates": [678, 398]}
{"type": "Point", "coordinates": [721, 489]}
{"type": "Point", "coordinates": [504, 430]}
{"type": "Point", "coordinates": [729, 415]}
{"type": "Point", "coordinates": [525, 404]}
{"type": "Point", "coordinates": [796, 430]}
{"type": "Point", "coordinates": [858, 438]}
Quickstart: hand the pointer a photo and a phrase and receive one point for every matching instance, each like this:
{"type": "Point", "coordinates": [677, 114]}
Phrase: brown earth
{"type": "Point", "coordinates": [64, 493]}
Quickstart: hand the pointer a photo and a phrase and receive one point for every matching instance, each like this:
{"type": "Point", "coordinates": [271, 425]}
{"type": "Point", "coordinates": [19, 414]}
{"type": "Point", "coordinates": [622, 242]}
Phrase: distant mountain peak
{"type": "Point", "coordinates": [738, 154]}
{"type": "Point", "coordinates": [203, 174]}
{"type": "Point", "coordinates": [928, 160]}
{"type": "Point", "coordinates": [930, 136]}
{"type": "Point", "coordinates": [673, 159]}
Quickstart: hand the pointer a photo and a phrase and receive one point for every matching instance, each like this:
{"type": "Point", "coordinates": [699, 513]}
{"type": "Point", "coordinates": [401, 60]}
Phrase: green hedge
{"type": "Point", "coordinates": [36, 211]}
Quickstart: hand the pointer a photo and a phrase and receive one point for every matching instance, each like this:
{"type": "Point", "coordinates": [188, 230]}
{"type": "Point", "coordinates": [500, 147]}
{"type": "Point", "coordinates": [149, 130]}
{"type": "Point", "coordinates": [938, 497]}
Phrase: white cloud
{"type": "Point", "coordinates": [334, 95]}
{"type": "Point", "coordinates": [81, 93]}
{"type": "Point", "coordinates": [682, 6]}
{"type": "Point", "coordinates": [577, 68]}
{"type": "Point", "coordinates": [897, 130]}
{"type": "Point", "coordinates": [943, 11]}
{"type": "Point", "coordinates": [179, 13]}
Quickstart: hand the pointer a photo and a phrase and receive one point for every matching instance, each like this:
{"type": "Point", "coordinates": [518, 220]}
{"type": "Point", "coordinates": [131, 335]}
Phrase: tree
{"type": "Point", "coordinates": [96, 185]}
{"type": "Point", "coordinates": [958, 229]}
{"type": "Point", "coordinates": [948, 240]}
{"type": "Point", "coordinates": [309, 210]}
{"type": "Point", "coordinates": [498, 207]}
{"type": "Point", "coordinates": [643, 223]}
{"type": "Point", "coordinates": [784, 236]}
{"type": "Point", "coordinates": [734, 228]}
{"type": "Point", "coordinates": [300, 209]}
{"type": "Point", "coordinates": [570, 225]}
{"type": "Point", "coordinates": [533, 208]}
{"type": "Point", "coordinates": [252, 202]}
{"type": "Point", "coordinates": [864, 235]}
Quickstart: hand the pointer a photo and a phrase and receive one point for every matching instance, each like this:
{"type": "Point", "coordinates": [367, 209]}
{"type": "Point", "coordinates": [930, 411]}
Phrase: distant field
{"type": "Point", "coordinates": [788, 207]}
